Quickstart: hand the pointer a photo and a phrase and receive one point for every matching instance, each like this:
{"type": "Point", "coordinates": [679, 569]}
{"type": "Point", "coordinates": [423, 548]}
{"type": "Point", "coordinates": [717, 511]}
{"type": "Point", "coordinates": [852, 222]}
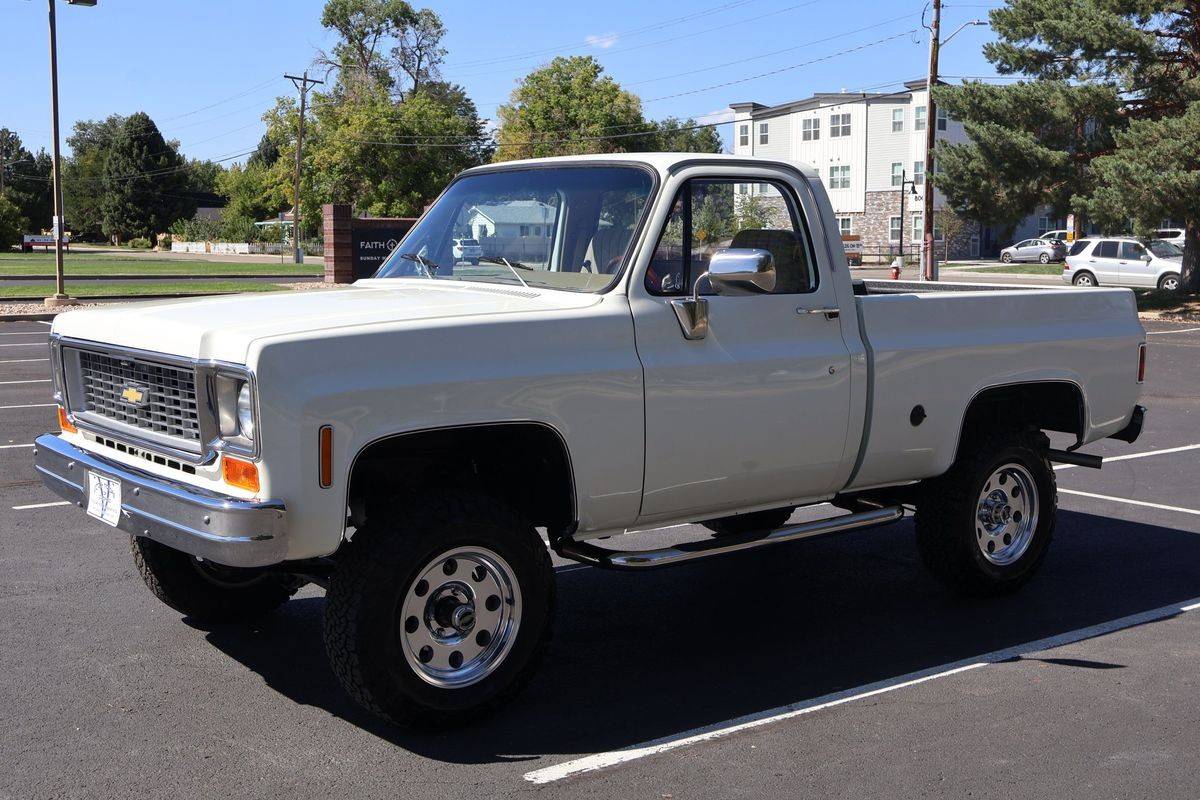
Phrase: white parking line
{"type": "Point", "coordinates": [719, 730]}
{"type": "Point", "coordinates": [41, 505]}
{"type": "Point", "coordinates": [12, 446]}
{"type": "Point", "coordinates": [43, 322]}
{"type": "Point", "coordinates": [24, 333]}
{"type": "Point", "coordinates": [30, 405]}
{"type": "Point", "coordinates": [14, 383]}
{"type": "Point", "coordinates": [25, 344]}
{"type": "Point", "coordinates": [1160, 333]}
{"type": "Point", "coordinates": [1131, 502]}
{"type": "Point", "coordinates": [23, 360]}
{"type": "Point", "coordinates": [1108, 459]}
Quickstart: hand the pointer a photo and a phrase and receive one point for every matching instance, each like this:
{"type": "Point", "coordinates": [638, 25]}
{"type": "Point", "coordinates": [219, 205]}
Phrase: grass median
{"type": "Point", "coordinates": [83, 263]}
{"type": "Point", "coordinates": [1018, 269]}
{"type": "Point", "coordinates": [89, 289]}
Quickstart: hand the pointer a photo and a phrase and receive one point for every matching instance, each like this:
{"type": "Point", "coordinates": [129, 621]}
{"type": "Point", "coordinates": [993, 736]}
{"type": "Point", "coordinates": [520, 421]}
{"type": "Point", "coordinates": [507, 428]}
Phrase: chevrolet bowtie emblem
{"type": "Point", "coordinates": [133, 395]}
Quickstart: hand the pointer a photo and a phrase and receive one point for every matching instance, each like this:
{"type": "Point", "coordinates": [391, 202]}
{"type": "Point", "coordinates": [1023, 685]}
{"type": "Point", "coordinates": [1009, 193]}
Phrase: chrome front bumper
{"type": "Point", "coordinates": [216, 527]}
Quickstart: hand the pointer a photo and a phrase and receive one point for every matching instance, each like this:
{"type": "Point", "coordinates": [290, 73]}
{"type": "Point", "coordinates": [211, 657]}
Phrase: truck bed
{"type": "Point", "coordinates": [938, 346]}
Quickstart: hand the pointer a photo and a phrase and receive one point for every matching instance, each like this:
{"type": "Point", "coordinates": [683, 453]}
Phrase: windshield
{"type": "Point", "coordinates": [556, 227]}
{"type": "Point", "coordinates": [1164, 249]}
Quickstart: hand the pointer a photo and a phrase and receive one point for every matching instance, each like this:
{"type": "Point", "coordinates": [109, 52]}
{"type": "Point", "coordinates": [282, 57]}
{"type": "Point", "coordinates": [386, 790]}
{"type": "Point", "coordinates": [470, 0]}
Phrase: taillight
{"type": "Point", "coordinates": [1141, 362]}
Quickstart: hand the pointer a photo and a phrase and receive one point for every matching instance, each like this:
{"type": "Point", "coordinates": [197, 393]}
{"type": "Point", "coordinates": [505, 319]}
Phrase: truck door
{"type": "Point", "coordinates": [756, 412]}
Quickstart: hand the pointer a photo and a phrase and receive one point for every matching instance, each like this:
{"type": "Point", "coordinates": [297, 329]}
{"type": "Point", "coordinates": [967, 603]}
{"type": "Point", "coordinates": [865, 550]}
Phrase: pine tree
{"type": "Point", "coordinates": [1131, 69]}
{"type": "Point", "coordinates": [145, 182]}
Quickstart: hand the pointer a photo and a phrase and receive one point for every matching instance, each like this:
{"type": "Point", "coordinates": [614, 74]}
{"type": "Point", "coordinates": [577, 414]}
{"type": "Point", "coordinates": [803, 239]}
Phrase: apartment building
{"type": "Point", "coordinates": [867, 147]}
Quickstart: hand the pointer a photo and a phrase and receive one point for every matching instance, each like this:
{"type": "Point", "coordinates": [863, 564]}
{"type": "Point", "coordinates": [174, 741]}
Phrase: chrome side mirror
{"type": "Point", "coordinates": [731, 271]}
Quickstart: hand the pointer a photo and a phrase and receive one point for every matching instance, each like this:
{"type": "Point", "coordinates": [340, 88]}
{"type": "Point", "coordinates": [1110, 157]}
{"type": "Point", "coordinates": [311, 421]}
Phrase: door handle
{"type": "Point", "coordinates": [829, 312]}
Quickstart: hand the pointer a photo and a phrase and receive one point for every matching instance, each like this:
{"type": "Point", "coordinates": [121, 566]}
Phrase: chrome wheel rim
{"type": "Point", "coordinates": [1171, 284]}
{"type": "Point", "coordinates": [1083, 280]}
{"type": "Point", "coordinates": [1006, 515]}
{"type": "Point", "coordinates": [459, 617]}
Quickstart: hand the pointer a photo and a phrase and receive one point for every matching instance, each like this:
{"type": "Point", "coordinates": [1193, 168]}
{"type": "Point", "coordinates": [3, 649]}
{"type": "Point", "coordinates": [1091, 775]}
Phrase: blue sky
{"type": "Point", "coordinates": [205, 70]}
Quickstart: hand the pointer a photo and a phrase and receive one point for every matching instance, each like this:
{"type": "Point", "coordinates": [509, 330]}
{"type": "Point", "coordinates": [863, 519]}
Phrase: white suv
{"type": "Point", "coordinates": [1112, 261]}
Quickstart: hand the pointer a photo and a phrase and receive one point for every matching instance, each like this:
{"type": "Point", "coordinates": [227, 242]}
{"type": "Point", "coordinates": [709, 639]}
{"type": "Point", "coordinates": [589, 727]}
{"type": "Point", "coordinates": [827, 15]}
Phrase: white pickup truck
{"type": "Point", "coordinates": [646, 340]}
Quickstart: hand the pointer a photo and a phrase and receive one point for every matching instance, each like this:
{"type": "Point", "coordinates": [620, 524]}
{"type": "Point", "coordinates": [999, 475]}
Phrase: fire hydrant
{"type": "Point", "coordinates": [895, 271]}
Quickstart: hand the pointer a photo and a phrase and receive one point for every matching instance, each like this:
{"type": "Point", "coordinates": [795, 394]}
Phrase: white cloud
{"type": "Point", "coordinates": [714, 117]}
{"type": "Point", "coordinates": [602, 40]}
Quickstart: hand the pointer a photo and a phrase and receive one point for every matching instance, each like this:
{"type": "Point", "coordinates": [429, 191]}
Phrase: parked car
{"type": "Point", "coordinates": [1058, 236]}
{"type": "Point", "coordinates": [467, 250]}
{"type": "Point", "coordinates": [1123, 262]}
{"type": "Point", "coordinates": [1173, 235]}
{"type": "Point", "coordinates": [1043, 250]}
{"type": "Point", "coordinates": [406, 441]}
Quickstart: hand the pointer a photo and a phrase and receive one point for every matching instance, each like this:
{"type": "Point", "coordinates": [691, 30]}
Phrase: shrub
{"type": "Point", "coordinates": [140, 243]}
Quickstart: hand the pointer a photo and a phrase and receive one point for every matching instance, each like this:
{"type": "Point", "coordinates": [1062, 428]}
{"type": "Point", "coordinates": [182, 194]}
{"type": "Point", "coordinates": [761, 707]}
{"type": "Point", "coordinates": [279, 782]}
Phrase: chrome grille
{"type": "Point", "coordinates": [167, 404]}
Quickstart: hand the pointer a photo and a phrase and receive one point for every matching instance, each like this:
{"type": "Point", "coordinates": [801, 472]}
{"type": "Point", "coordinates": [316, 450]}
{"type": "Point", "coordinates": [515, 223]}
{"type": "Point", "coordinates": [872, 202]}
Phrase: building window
{"type": "Point", "coordinates": [839, 125]}
{"type": "Point", "coordinates": [762, 133]}
{"type": "Point", "coordinates": [942, 119]}
{"type": "Point", "coordinates": [918, 228]}
{"type": "Point", "coordinates": [744, 135]}
{"type": "Point", "coordinates": [810, 129]}
{"type": "Point", "coordinates": [919, 118]}
{"type": "Point", "coordinates": [897, 120]}
{"type": "Point", "coordinates": [918, 173]}
{"type": "Point", "coordinates": [845, 225]}
{"type": "Point", "coordinates": [524, 230]}
{"type": "Point", "coordinates": [895, 228]}
{"type": "Point", "coordinates": [897, 174]}
{"type": "Point", "coordinates": [839, 177]}
{"type": "Point", "coordinates": [743, 188]}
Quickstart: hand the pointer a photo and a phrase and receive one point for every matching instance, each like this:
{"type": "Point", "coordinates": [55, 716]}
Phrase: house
{"type": "Point", "coordinates": [512, 220]}
{"type": "Point", "coordinates": [869, 147]}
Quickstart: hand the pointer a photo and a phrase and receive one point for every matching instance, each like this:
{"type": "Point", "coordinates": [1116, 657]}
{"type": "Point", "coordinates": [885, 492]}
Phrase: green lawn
{"type": "Point", "coordinates": [86, 289]}
{"type": "Point", "coordinates": [82, 263]}
{"type": "Point", "coordinates": [1034, 268]}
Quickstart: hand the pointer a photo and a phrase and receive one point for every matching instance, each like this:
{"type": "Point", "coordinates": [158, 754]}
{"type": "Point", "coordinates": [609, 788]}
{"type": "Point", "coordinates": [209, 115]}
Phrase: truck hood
{"type": "Point", "coordinates": [223, 328]}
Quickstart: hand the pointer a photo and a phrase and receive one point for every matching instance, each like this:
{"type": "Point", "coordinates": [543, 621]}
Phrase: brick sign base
{"type": "Point", "coordinates": [356, 246]}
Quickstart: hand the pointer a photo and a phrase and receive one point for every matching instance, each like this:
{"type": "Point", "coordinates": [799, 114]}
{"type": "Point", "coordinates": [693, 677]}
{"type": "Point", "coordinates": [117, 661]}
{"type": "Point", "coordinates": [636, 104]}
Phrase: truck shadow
{"type": "Point", "coordinates": [639, 657]}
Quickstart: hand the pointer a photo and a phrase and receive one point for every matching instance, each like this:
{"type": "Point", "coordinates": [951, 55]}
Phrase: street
{"type": "Point", "coordinates": [835, 667]}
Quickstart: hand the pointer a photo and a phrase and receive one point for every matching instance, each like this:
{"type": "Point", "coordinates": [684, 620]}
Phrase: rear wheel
{"type": "Point", "coordinates": [984, 527]}
{"type": "Point", "coordinates": [1084, 279]}
{"type": "Point", "coordinates": [440, 609]}
{"type": "Point", "coordinates": [1169, 282]}
{"type": "Point", "coordinates": [1044, 258]}
{"type": "Point", "coordinates": [753, 522]}
{"type": "Point", "coordinates": [205, 591]}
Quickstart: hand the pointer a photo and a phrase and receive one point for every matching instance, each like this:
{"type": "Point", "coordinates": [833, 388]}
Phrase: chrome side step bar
{"type": "Point", "coordinates": [587, 553]}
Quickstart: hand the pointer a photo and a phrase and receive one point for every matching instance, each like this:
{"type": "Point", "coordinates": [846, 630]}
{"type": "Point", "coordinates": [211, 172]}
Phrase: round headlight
{"type": "Point", "coordinates": [245, 411]}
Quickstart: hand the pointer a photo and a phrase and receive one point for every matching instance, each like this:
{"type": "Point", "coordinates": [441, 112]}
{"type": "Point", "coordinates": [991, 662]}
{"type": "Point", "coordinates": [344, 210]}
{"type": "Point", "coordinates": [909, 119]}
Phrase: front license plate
{"type": "Point", "coordinates": [104, 498]}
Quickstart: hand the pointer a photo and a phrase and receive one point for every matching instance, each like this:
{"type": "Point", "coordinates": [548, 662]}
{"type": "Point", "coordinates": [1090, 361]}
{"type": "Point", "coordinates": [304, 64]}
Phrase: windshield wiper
{"type": "Point", "coordinates": [427, 265]}
{"type": "Point", "coordinates": [507, 263]}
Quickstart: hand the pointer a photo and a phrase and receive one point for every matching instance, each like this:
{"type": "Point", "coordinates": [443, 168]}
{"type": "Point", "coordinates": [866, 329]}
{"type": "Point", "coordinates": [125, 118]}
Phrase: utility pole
{"type": "Point", "coordinates": [301, 83]}
{"type": "Point", "coordinates": [927, 258]}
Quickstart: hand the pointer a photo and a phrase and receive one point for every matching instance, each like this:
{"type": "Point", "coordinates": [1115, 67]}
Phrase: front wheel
{"type": "Point", "coordinates": [1006, 258]}
{"type": "Point", "coordinates": [1169, 282]}
{"type": "Point", "coordinates": [983, 528]}
{"type": "Point", "coordinates": [205, 591]}
{"type": "Point", "coordinates": [440, 609]}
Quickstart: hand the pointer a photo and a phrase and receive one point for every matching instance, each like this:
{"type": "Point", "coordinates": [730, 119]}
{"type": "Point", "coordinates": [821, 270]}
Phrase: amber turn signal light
{"type": "Point", "coordinates": [65, 423]}
{"type": "Point", "coordinates": [239, 473]}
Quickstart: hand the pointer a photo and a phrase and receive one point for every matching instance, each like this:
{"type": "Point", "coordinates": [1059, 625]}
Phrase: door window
{"type": "Point", "coordinates": [709, 214]}
{"type": "Point", "coordinates": [1132, 251]}
{"type": "Point", "coordinates": [1106, 250]}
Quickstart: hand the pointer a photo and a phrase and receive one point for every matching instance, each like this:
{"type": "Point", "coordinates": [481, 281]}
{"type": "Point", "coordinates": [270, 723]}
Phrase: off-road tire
{"type": "Point", "coordinates": [946, 518]}
{"type": "Point", "coordinates": [205, 592]}
{"type": "Point", "coordinates": [753, 522]}
{"type": "Point", "coordinates": [379, 565]}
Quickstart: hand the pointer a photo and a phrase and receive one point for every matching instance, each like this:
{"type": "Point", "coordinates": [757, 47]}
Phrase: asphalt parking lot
{"type": "Point", "coordinates": [832, 668]}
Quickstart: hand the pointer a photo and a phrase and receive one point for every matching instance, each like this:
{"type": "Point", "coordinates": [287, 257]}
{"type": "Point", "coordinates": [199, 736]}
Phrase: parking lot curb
{"type": "Point", "coordinates": [49, 315]}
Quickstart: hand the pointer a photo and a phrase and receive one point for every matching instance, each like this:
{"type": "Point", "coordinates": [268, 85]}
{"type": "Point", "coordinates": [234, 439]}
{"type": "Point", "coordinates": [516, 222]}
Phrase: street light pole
{"type": "Point", "coordinates": [59, 298]}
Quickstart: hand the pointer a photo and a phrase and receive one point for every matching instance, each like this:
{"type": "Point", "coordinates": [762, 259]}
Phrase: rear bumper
{"type": "Point", "coordinates": [216, 527]}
